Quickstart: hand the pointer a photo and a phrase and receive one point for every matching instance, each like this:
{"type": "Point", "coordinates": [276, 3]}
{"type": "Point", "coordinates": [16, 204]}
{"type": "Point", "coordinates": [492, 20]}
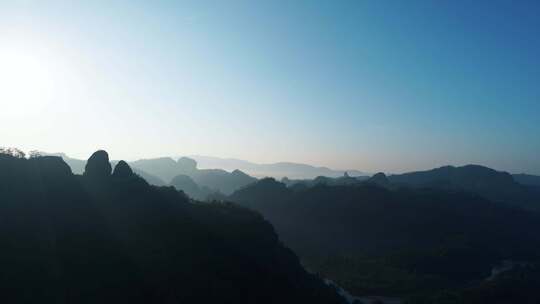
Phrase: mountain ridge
{"type": "Point", "coordinates": [498, 186]}
{"type": "Point", "coordinates": [107, 236]}
{"type": "Point", "coordinates": [398, 241]}
{"type": "Point", "coordinates": [277, 170]}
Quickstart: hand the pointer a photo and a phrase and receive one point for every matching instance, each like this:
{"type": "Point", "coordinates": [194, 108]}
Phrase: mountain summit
{"type": "Point", "coordinates": [94, 238]}
{"type": "Point", "coordinates": [98, 165]}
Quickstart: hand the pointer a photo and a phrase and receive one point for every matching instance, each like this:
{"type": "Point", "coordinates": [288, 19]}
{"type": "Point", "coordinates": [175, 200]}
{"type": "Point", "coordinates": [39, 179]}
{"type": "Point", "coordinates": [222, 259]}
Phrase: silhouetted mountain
{"type": "Point", "coordinates": [77, 167]}
{"type": "Point", "coordinates": [186, 184]}
{"type": "Point", "coordinates": [344, 180]}
{"type": "Point", "coordinates": [213, 179]}
{"type": "Point", "coordinates": [158, 170]}
{"type": "Point", "coordinates": [222, 180]}
{"type": "Point", "coordinates": [165, 167]}
{"type": "Point", "coordinates": [151, 179]}
{"type": "Point", "coordinates": [365, 206]}
{"type": "Point", "coordinates": [122, 170]}
{"type": "Point", "coordinates": [527, 179]}
{"type": "Point", "coordinates": [187, 164]}
{"type": "Point", "coordinates": [98, 165]}
{"type": "Point", "coordinates": [379, 179]}
{"type": "Point", "coordinates": [488, 183]}
{"type": "Point", "coordinates": [113, 238]}
{"type": "Point", "coordinates": [276, 170]}
{"type": "Point", "coordinates": [373, 240]}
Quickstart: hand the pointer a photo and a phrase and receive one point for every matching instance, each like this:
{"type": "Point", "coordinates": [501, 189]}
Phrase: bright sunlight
{"type": "Point", "coordinates": [28, 82]}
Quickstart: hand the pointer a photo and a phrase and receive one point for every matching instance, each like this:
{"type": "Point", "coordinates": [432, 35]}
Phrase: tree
{"type": "Point", "coordinates": [12, 152]}
{"type": "Point", "coordinates": [34, 154]}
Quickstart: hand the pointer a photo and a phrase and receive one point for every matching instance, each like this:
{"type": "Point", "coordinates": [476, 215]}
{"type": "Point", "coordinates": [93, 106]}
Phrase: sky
{"type": "Point", "coordinates": [388, 86]}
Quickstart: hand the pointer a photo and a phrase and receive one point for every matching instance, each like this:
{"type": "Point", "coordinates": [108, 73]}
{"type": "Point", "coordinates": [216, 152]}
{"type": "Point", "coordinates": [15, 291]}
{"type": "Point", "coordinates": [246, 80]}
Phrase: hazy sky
{"type": "Point", "coordinates": [371, 85]}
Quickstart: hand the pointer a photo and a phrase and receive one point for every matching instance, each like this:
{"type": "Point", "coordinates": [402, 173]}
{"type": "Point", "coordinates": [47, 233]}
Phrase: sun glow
{"type": "Point", "coordinates": [27, 82]}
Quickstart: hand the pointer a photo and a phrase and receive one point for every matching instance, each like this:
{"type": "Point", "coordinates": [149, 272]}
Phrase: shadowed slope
{"type": "Point", "coordinates": [486, 182]}
{"type": "Point", "coordinates": [102, 238]}
{"type": "Point", "coordinates": [372, 240]}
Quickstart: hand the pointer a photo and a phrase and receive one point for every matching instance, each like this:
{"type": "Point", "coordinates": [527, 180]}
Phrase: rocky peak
{"type": "Point", "coordinates": [122, 170]}
{"type": "Point", "coordinates": [379, 179]}
{"type": "Point", "coordinates": [98, 165]}
{"type": "Point", "coordinates": [187, 164]}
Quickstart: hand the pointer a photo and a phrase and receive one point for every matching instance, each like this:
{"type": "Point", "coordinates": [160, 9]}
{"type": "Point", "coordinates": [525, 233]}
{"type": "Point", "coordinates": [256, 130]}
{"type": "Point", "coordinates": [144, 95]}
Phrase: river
{"type": "Point", "coordinates": [363, 299]}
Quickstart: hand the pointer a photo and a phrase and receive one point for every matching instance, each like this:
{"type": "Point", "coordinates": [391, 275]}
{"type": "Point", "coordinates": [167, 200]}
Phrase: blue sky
{"type": "Point", "coordinates": [372, 85]}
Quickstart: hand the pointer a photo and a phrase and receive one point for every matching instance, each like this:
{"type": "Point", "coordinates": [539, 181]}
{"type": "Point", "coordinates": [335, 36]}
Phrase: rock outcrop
{"type": "Point", "coordinates": [98, 165]}
{"type": "Point", "coordinates": [122, 170]}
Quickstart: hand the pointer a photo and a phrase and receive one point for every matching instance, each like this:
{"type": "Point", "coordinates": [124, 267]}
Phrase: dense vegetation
{"type": "Point", "coordinates": [110, 237]}
{"type": "Point", "coordinates": [411, 243]}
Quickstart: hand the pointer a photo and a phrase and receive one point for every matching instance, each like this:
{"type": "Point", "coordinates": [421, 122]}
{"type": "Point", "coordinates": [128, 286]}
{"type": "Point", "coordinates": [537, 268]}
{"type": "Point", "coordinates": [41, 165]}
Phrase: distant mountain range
{"type": "Point", "coordinates": [182, 174]}
{"type": "Point", "coordinates": [527, 179]}
{"type": "Point", "coordinates": [517, 190]}
{"type": "Point", "coordinates": [202, 177]}
{"type": "Point", "coordinates": [402, 234]}
{"type": "Point", "coordinates": [494, 185]}
{"type": "Point", "coordinates": [213, 174]}
{"type": "Point", "coordinates": [216, 180]}
{"type": "Point", "coordinates": [275, 170]}
{"type": "Point", "coordinates": [411, 235]}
